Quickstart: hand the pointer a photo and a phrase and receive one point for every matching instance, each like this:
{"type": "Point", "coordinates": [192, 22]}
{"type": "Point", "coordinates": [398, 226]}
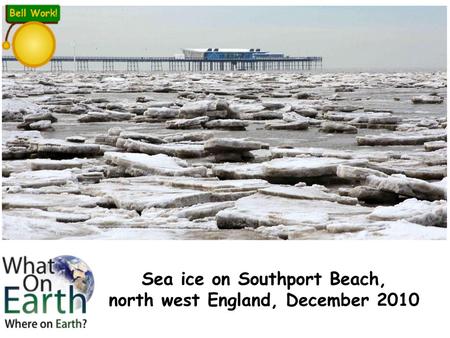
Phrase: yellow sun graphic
{"type": "Point", "coordinates": [33, 44]}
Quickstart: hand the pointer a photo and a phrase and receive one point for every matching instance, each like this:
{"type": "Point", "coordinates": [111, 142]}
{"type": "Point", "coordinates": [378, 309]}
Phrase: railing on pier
{"type": "Point", "coordinates": [82, 63]}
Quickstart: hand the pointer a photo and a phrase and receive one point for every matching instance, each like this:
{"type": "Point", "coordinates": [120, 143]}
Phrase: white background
{"type": "Point", "coordinates": [404, 266]}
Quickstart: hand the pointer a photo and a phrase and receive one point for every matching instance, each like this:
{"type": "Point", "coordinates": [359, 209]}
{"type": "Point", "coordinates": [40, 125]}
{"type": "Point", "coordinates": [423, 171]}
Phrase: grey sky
{"type": "Point", "coordinates": [347, 37]}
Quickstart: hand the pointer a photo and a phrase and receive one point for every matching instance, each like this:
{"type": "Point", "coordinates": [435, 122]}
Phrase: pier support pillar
{"type": "Point", "coordinates": [82, 65]}
{"type": "Point", "coordinates": [56, 66]}
{"type": "Point", "coordinates": [108, 65]}
{"type": "Point", "coordinates": [132, 66]}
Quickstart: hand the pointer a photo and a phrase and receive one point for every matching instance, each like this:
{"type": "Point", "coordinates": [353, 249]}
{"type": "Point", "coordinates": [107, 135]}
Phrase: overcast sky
{"type": "Point", "coordinates": [346, 37]}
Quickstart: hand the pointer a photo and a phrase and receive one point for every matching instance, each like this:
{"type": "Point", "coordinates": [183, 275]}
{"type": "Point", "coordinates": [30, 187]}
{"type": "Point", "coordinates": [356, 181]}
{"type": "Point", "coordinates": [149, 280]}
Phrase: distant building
{"type": "Point", "coordinates": [214, 54]}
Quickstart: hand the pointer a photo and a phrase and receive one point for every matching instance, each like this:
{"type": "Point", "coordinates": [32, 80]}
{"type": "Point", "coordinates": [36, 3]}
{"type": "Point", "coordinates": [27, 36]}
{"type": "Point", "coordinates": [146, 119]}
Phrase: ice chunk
{"type": "Point", "coordinates": [414, 211]}
{"type": "Point", "coordinates": [204, 210]}
{"type": "Point", "coordinates": [406, 186]}
{"type": "Point", "coordinates": [435, 145]}
{"type": "Point", "coordinates": [183, 150]}
{"type": "Point", "coordinates": [412, 168]}
{"type": "Point", "coordinates": [228, 124]}
{"type": "Point", "coordinates": [40, 178]}
{"type": "Point", "coordinates": [197, 108]}
{"type": "Point", "coordinates": [281, 125]}
{"type": "Point", "coordinates": [219, 145]}
{"type": "Point", "coordinates": [356, 173]}
{"type": "Point", "coordinates": [264, 210]}
{"type": "Point", "coordinates": [306, 192]}
{"type": "Point", "coordinates": [134, 194]}
{"type": "Point", "coordinates": [143, 164]}
{"type": "Point", "coordinates": [44, 201]}
{"type": "Point", "coordinates": [193, 123]}
{"type": "Point", "coordinates": [402, 138]}
{"type": "Point", "coordinates": [105, 116]}
{"type": "Point", "coordinates": [335, 127]}
{"type": "Point", "coordinates": [300, 167]}
{"type": "Point", "coordinates": [239, 171]}
{"type": "Point", "coordinates": [422, 99]}
{"type": "Point", "coordinates": [25, 228]}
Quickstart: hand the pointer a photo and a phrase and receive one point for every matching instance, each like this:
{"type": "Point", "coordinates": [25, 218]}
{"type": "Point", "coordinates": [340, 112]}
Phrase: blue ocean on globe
{"type": "Point", "coordinates": [76, 272]}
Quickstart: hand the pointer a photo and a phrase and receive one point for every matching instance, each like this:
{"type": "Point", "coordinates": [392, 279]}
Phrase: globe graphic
{"type": "Point", "coordinates": [75, 272]}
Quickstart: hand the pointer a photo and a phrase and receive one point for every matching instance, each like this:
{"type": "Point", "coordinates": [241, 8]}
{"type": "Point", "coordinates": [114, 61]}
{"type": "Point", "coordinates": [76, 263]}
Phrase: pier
{"type": "Point", "coordinates": [174, 64]}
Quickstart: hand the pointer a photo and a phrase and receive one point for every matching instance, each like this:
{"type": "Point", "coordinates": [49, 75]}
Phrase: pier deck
{"type": "Point", "coordinates": [83, 63]}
